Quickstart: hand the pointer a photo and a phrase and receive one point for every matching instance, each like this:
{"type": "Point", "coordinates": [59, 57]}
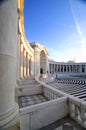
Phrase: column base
{"type": "Point", "coordinates": [10, 118]}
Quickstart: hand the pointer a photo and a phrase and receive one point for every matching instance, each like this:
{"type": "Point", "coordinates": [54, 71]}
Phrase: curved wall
{"type": "Point", "coordinates": [26, 53]}
{"type": "Point", "coordinates": [29, 55]}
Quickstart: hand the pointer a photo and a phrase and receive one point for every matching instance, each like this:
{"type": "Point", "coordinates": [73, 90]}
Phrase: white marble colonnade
{"type": "Point", "coordinates": [67, 68]}
{"type": "Point", "coordinates": [25, 61]}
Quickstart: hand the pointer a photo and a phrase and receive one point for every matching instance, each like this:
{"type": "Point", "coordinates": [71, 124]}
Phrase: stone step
{"type": "Point", "coordinates": [30, 85]}
{"type": "Point", "coordinates": [30, 77]}
{"type": "Point", "coordinates": [27, 81]}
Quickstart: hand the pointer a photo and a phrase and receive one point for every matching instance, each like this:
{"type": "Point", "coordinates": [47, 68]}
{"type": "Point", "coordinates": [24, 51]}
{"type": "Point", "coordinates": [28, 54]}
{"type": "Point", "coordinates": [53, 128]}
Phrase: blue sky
{"type": "Point", "coordinates": [60, 25]}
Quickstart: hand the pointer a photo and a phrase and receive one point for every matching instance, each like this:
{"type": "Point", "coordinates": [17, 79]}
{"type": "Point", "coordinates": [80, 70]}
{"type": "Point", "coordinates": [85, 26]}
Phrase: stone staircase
{"type": "Point", "coordinates": [31, 92]}
{"type": "Point", "coordinates": [26, 81]}
{"type": "Point", "coordinates": [39, 102]}
{"type": "Point", "coordinates": [29, 86]}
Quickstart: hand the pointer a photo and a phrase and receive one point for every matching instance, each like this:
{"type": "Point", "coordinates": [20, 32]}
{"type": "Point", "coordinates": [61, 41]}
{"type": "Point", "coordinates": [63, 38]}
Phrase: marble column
{"type": "Point", "coordinates": [24, 63]}
{"type": "Point", "coordinates": [53, 68]}
{"type": "Point", "coordinates": [49, 67]}
{"type": "Point", "coordinates": [60, 68]}
{"type": "Point", "coordinates": [21, 61]}
{"type": "Point", "coordinates": [80, 69]}
{"type": "Point", "coordinates": [8, 63]}
{"type": "Point", "coordinates": [56, 68]}
{"type": "Point", "coordinates": [66, 69]}
{"type": "Point", "coordinates": [63, 68]}
{"type": "Point", "coordinates": [37, 61]}
{"type": "Point", "coordinates": [85, 68]}
{"type": "Point", "coordinates": [28, 65]}
{"type": "Point", "coordinates": [72, 68]}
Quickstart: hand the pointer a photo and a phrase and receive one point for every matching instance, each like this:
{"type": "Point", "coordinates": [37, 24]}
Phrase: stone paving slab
{"type": "Point", "coordinates": [26, 100]}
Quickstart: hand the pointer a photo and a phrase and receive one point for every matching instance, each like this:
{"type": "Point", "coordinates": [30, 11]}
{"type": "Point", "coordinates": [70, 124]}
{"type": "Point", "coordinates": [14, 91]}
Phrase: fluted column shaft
{"type": "Point", "coordinates": [21, 61]}
{"type": "Point", "coordinates": [24, 63]}
{"type": "Point", "coordinates": [8, 56]}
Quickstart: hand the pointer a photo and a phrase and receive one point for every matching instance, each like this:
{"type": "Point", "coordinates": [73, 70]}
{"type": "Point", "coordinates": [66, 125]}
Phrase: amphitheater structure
{"type": "Point", "coordinates": [34, 90]}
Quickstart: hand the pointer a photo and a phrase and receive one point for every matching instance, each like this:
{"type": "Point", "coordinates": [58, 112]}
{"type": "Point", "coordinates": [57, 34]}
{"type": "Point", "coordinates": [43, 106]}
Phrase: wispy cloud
{"type": "Point", "coordinates": [72, 46]}
{"type": "Point", "coordinates": [68, 54]}
{"type": "Point", "coordinates": [83, 42]}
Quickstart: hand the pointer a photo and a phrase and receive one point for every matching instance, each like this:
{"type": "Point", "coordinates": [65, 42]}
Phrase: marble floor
{"type": "Point", "coordinates": [64, 124]}
{"type": "Point", "coordinates": [26, 100]}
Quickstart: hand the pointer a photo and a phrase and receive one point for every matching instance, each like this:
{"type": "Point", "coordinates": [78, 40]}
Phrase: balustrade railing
{"type": "Point", "coordinates": [75, 107]}
{"type": "Point", "coordinates": [51, 94]}
{"type": "Point", "coordinates": [77, 110]}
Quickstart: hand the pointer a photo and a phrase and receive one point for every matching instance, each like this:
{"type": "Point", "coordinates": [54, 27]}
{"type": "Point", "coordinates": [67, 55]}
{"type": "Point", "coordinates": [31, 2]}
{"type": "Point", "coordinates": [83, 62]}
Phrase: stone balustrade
{"type": "Point", "coordinates": [77, 110]}
{"type": "Point", "coordinates": [74, 107]}
{"type": "Point", "coordinates": [51, 94]}
{"type": "Point", "coordinates": [42, 114]}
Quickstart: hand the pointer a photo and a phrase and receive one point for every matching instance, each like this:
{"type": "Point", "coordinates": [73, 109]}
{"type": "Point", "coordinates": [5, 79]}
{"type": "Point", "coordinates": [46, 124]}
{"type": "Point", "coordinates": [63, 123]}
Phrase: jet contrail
{"type": "Point", "coordinates": [77, 25]}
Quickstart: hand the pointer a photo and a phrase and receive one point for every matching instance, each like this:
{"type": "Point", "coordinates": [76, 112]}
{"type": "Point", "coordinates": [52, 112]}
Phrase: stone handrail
{"type": "Point", "coordinates": [77, 109]}
{"type": "Point", "coordinates": [39, 115]}
{"type": "Point", "coordinates": [48, 88]}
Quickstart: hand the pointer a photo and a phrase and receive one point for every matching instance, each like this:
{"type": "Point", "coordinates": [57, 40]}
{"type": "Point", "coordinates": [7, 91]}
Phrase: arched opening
{"type": "Point", "coordinates": [42, 62]}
